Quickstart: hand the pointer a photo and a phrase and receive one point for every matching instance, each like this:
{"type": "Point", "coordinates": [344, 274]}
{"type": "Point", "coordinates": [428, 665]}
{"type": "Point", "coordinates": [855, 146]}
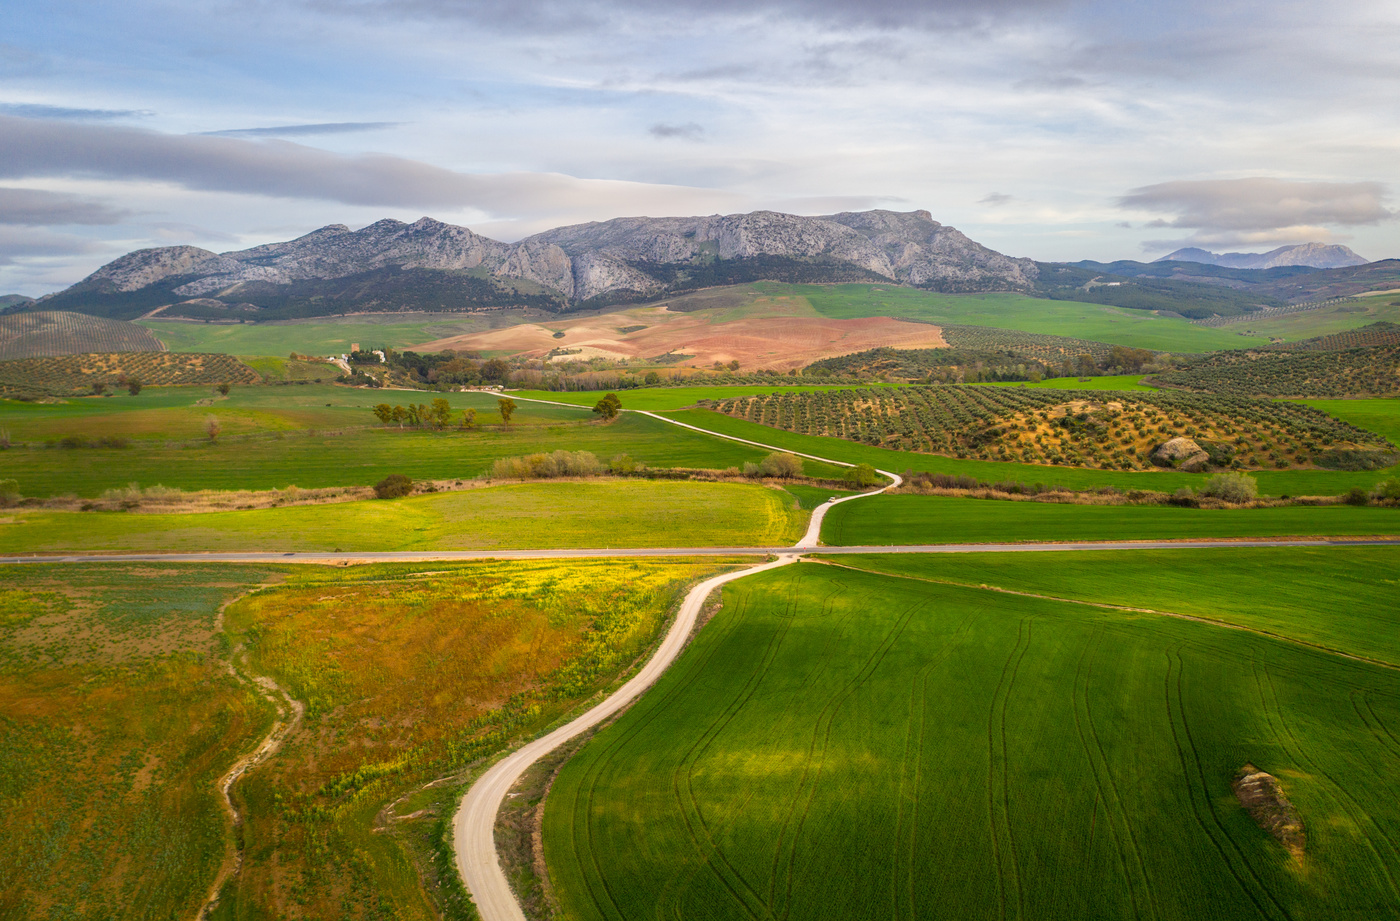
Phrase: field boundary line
{"type": "Point", "coordinates": [1108, 605]}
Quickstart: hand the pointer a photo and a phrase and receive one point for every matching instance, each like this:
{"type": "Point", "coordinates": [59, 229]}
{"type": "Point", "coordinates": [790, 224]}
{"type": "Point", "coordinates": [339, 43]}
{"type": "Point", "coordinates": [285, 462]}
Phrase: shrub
{"type": "Point", "coordinates": [547, 466]}
{"type": "Point", "coordinates": [1183, 497]}
{"type": "Point", "coordinates": [1357, 496]}
{"type": "Point", "coordinates": [9, 492]}
{"type": "Point", "coordinates": [622, 463]}
{"type": "Point", "coordinates": [1235, 488]}
{"type": "Point", "coordinates": [652, 378]}
{"type": "Point", "coordinates": [862, 476]}
{"type": "Point", "coordinates": [133, 385]}
{"type": "Point", "coordinates": [1388, 491]}
{"type": "Point", "coordinates": [782, 465]}
{"type": "Point", "coordinates": [393, 486]}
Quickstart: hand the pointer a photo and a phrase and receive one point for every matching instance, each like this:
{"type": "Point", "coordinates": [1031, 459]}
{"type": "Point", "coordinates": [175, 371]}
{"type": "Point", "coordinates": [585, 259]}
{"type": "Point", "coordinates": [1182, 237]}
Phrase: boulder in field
{"type": "Point", "coordinates": [1181, 453]}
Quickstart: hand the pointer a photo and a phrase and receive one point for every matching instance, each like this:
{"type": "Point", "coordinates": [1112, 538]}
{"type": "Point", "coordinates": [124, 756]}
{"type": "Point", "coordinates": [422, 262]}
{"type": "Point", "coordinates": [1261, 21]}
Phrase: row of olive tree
{"type": "Point", "coordinates": [438, 415]}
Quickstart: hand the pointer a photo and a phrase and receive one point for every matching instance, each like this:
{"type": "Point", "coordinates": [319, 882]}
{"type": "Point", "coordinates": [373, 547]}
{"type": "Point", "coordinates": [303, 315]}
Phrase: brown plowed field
{"type": "Point", "coordinates": [776, 342]}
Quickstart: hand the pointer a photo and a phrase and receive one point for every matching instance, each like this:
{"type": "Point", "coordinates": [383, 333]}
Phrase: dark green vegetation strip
{"type": "Point", "coordinates": [843, 744]}
{"type": "Point", "coordinates": [117, 717]}
{"type": "Point", "coordinates": [1271, 482]}
{"type": "Point", "coordinates": [1075, 428]}
{"type": "Point", "coordinates": [1342, 598]}
{"type": "Point", "coordinates": [908, 519]}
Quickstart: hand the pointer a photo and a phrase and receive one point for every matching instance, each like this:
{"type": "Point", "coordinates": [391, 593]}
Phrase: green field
{"type": "Point", "coordinates": [539, 515]}
{"type": "Point", "coordinates": [1379, 416]}
{"type": "Point", "coordinates": [322, 337]}
{"type": "Point", "coordinates": [1137, 328]}
{"type": "Point", "coordinates": [909, 519]}
{"type": "Point", "coordinates": [1103, 382]}
{"type": "Point", "coordinates": [1271, 482]}
{"type": "Point", "coordinates": [277, 436]}
{"type": "Point", "coordinates": [839, 744]}
{"type": "Point", "coordinates": [1188, 582]}
{"type": "Point", "coordinates": [1306, 324]}
{"type": "Point", "coordinates": [655, 399]}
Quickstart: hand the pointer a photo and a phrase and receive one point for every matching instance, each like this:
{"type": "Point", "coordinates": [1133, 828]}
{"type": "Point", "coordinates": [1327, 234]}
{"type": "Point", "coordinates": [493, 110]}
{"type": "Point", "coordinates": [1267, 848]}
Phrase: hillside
{"type": "Point", "coordinates": [8, 301]}
{"type": "Point", "coordinates": [428, 265]}
{"type": "Point", "coordinates": [51, 333]}
{"type": "Point", "coordinates": [79, 374]}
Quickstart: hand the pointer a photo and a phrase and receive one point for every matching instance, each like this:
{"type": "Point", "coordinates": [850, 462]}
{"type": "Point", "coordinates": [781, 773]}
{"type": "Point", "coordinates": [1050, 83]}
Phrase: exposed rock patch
{"type": "Point", "coordinates": [1181, 453]}
{"type": "Point", "coordinates": [1260, 794]}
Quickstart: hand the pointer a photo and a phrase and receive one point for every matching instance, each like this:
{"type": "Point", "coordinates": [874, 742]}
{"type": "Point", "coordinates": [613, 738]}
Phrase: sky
{"type": "Point", "coordinates": [1054, 129]}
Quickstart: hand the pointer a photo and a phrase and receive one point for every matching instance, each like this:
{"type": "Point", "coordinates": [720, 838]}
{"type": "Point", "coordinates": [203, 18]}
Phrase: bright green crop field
{"type": "Point", "coordinates": [841, 744]}
{"type": "Point", "coordinates": [1379, 416]}
{"type": "Point", "coordinates": [1102, 382]}
{"type": "Point", "coordinates": [1271, 482]}
{"type": "Point", "coordinates": [1137, 328]}
{"type": "Point", "coordinates": [913, 519]}
{"type": "Point", "coordinates": [1342, 598]}
{"type": "Point", "coordinates": [539, 515]}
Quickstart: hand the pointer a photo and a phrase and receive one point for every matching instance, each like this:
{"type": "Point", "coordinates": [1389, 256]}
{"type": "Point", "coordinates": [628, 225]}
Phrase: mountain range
{"type": "Point", "coordinates": [1313, 255]}
{"type": "Point", "coordinates": [427, 264]}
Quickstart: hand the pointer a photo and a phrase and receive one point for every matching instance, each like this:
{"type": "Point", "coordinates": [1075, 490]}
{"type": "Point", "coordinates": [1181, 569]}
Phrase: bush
{"type": "Point", "coordinates": [1184, 498]}
{"type": "Point", "coordinates": [622, 463]}
{"type": "Point", "coordinates": [1357, 496]}
{"type": "Point", "coordinates": [393, 486]}
{"type": "Point", "coordinates": [1236, 488]}
{"type": "Point", "coordinates": [862, 476]}
{"type": "Point", "coordinates": [1388, 491]}
{"type": "Point", "coordinates": [782, 465]}
{"type": "Point", "coordinates": [547, 466]}
{"type": "Point", "coordinates": [9, 492]}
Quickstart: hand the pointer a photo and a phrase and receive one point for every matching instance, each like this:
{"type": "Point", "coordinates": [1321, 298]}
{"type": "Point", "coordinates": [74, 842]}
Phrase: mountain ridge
{"type": "Point", "coordinates": [623, 258]}
{"type": "Point", "coordinates": [1313, 255]}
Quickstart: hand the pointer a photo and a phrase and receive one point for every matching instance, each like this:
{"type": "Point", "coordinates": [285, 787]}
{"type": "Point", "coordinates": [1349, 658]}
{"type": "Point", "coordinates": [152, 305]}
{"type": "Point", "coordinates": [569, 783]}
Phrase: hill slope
{"type": "Point", "coordinates": [50, 333]}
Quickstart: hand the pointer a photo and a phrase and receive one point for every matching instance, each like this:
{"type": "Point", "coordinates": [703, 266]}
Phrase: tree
{"type": "Point", "coordinates": [862, 476]}
{"type": "Point", "coordinates": [494, 370]}
{"type": "Point", "coordinates": [399, 414]}
{"type": "Point", "coordinates": [608, 407]}
{"type": "Point", "coordinates": [1236, 488]}
{"type": "Point", "coordinates": [212, 427]}
{"type": "Point", "coordinates": [652, 378]}
{"type": "Point", "coordinates": [384, 413]}
{"type": "Point", "coordinates": [781, 464]}
{"type": "Point", "coordinates": [1388, 491]}
{"type": "Point", "coordinates": [133, 385]}
{"type": "Point", "coordinates": [507, 407]}
{"type": "Point", "coordinates": [224, 388]}
{"type": "Point", "coordinates": [441, 413]}
{"type": "Point", "coordinates": [393, 486]}
{"type": "Point", "coordinates": [468, 419]}
{"type": "Point", "coordinates": [734, 365]}
{"type": "Point", "coordinates": [99, 388]}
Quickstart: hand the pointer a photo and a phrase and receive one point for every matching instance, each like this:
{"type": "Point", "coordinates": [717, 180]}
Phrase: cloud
{"type": "Point", "coordinates": [36, 207]}
{"type": "Point", "coordinates": [282, 169]}
{"type": "Point", "coordinates": [995, 199]}
{"type": "Point", "coordinates": [571, 15]}
{"type": "Point", "coordinates": [690, 131]}
{"type": "Point", "coordinates": [1257, 210]}
{"type": "Point", "coordinates": [29, 243]}
{"type": "Point", "coordinates": [36, 110]}
{"type": "Point", "coordinates": [302, 130]}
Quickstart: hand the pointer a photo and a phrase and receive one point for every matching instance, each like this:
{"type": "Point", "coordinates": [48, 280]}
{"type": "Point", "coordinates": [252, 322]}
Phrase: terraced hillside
{"type": "Point", "coordinates": [1074, 428]}
{"type": "Point", "coordinates": [75, 374]}
{"type": "Point", "coordinates": [1349, 372]}
{"type": "Point", "coordinates": [56, 332]}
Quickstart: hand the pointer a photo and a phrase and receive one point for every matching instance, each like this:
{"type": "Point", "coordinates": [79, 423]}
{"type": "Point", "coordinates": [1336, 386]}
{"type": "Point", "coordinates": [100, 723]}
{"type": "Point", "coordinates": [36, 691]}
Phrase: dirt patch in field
{"type": "Point", "coordinates": [772, 342]}
{"type": "Point", "coordinates": [1261, 795]}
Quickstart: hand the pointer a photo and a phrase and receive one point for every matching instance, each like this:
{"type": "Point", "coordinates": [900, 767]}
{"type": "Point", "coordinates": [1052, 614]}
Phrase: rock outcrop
{"type": "Point", "coordinates": [625, 258]}
{"type": "Point", "coordinates": [1181, 453]}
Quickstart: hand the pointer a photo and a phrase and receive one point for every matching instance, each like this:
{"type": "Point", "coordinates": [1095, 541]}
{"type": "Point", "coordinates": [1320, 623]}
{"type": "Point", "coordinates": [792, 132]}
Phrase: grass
{"type": "Point", "coordinates": [117, 716]}
{"type": "Point", "coordinates": [1137, 328]}
{"type": "Point", "coordinates": [906, 519]}
{"type": "Point", "coordinates": [1271, 482]}
{"type": "Point", "coordinates": [537, 515]}
{"type": "Point", "coordinates": [1381, 416]}
{"type": "Point", "coordinates": [1324, 321]}
{"type": "Point", "coordinates": [322, 337]}
{"type": "Point", "coordinates": [297, 439]}
{"type": "Point", "coordinates": [1119, 382]}
{"type": "Point", "coordinates": [655, 399]}
{"type": "Point", "coordinates": [844, 744]}
{"type": "Point", "coordinates": [809, 497]}
{"type": "Point", "coordinates": [1190, 581]}
{"type": "Point", "coordinates": [411, 677]}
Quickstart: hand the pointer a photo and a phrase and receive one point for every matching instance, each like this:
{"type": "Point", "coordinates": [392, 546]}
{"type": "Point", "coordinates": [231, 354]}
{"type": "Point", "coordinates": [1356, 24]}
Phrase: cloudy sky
{"type": "Point", "coordinates": [1055, 129]}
